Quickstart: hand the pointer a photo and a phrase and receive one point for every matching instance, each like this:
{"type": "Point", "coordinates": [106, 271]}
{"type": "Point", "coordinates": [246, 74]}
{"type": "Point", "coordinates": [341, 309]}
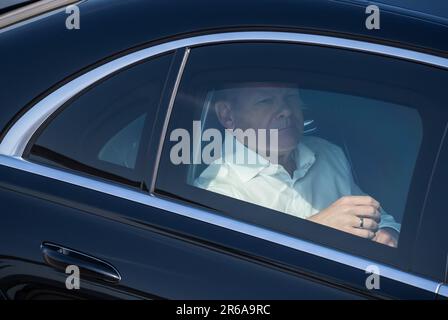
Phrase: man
{"type": "Point", "coordinates": [310, 177]}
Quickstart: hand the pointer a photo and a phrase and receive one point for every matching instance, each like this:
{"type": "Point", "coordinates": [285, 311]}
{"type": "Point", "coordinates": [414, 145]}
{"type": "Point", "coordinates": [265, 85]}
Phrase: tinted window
{"type": "Point", "coordinates": [431, 257]}
{"type": "Point", "coordinates": [348, 124]}
{"type": "Point", "coordinates": [100, 132]}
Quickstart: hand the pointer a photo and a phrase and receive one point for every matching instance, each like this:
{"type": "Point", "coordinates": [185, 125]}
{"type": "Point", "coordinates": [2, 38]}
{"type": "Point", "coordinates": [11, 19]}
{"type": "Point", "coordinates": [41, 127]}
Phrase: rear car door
{"type": "Point", "coordinates": [51, 217]}
{"type": "Point", "coordinates": [74, 195]}
{"type": "Point", "coordinates": [382, 107]}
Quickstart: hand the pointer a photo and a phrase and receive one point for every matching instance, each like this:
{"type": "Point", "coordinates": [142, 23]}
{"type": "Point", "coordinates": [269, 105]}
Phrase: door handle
{"type": "Point", "coordinates": [60, 257]}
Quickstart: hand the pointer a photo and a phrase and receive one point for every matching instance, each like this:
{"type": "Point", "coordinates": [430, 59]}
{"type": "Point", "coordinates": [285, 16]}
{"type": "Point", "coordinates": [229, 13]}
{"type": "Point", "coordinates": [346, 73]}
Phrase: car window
{"type": "Point", "coordinates": [100, 132]}
{"type": "Point", "coordinates": [129, 136]}
{"type": "Point", "coordinates": [329, 145]}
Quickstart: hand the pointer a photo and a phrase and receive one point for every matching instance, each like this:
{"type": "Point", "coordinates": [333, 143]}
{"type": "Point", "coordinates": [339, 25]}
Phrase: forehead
{"type": "Point", "coordinates": [254, 89]}
{"type": "Point", "coordinates": [268, 89]}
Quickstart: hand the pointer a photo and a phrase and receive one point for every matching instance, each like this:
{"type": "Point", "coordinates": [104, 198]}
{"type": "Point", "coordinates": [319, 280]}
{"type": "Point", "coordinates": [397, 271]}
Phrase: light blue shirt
{"type": "Point", "coordinates": [323, 175]}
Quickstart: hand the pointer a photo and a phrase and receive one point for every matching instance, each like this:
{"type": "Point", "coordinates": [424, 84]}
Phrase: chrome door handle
{"type": "Point", "coordinates": [90, 267]}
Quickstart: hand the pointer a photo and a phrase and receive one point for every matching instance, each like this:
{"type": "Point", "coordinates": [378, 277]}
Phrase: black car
{"type": "Point", "coordinates": [92, 93]}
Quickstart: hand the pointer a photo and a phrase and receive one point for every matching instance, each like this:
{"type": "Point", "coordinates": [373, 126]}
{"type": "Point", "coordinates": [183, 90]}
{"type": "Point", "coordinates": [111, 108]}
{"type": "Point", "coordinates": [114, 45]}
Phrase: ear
{"type": "Point", "coordinates": [225, 114]}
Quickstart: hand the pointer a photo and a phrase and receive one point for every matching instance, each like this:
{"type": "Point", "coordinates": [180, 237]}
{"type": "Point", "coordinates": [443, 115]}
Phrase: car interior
{"type": "Point", "coordinates": [380, 139]}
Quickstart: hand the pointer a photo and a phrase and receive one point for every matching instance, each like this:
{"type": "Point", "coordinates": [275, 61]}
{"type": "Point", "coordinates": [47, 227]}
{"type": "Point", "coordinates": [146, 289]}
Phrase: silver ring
{"type": "Point", "coordinates": [361, 222]}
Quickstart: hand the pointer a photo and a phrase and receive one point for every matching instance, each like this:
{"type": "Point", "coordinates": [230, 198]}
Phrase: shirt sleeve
{"type": "Point", "coordinates": [223, 189]}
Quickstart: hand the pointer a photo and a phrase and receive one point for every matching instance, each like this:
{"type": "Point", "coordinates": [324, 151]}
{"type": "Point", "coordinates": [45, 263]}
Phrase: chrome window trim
{"type": "Point", "coordinates": [32, 10]}
{"type": "Point", "coordinates": [17, 137]}
{"type": "Point", "coordinates": [14, 143]}
{"type": "Point", "coordinates": [442, 290]}
{"type": "Point", "coordinates": [220, 221]}
{"type": "Point", "coordinates": [167, 118]}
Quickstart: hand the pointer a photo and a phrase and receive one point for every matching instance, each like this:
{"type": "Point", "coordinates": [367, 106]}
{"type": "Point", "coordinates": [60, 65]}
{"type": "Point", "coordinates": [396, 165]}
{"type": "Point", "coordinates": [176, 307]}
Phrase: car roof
{"type": "Point", "coordinates": [41, 52]}
{"type": "Point", "coordinates": [429, 9]}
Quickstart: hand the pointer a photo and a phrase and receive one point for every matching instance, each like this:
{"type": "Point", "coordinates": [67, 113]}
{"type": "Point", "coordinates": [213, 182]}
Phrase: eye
{"type": "Point", "coordinates": [266, 101]}
{"type": "Point", "coordinates": [293, 98]}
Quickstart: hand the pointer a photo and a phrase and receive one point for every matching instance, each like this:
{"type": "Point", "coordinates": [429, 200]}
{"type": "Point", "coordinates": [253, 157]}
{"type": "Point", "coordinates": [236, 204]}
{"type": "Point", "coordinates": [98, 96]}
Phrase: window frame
{"type": "Point", "coordinates": [135, 176]}
{"type": "Point", "coordinates": [385, 255]}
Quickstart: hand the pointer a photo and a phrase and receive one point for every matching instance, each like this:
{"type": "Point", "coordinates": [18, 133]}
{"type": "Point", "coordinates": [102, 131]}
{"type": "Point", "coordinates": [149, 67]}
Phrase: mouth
{"type": "Point", "coordinates": [284, 129]}
{"type": "Point", "coordinates": [283, 124]}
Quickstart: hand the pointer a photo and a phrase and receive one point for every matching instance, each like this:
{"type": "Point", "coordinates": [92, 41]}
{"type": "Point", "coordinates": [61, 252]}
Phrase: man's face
{"type": "Point", "coordinates": [266, 106]}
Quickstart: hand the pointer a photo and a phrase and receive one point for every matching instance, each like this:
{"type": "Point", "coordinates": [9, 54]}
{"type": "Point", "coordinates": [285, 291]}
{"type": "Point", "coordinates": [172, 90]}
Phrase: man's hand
{"type": "Point", "coordinates": [387, 236]}
{"type": "Point", "coordinates": [349, 212]}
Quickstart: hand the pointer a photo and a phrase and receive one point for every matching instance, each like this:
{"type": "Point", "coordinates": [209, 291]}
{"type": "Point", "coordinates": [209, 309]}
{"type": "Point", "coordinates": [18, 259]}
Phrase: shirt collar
{"type": "Point", "coordinates": [305, 158]}
{"type": "Point", "coordinates": [237, 156]}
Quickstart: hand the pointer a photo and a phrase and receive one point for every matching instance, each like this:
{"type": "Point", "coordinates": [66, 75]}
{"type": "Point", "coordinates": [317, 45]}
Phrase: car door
{"type": "Point", "coordinates": [74, 198]}
{"type": "Point", "coordinates": [51, 219]}
{"type": "Point", "coordinates": [68, 202]}
{"type": "Point", "coordinates": [369, 101]}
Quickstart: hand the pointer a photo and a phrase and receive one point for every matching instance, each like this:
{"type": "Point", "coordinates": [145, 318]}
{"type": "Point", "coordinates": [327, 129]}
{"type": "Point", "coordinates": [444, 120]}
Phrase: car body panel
{"type": "Point", "coordinates": [144, 243]}
{"type": "Point", "coordinates": [164, 254]}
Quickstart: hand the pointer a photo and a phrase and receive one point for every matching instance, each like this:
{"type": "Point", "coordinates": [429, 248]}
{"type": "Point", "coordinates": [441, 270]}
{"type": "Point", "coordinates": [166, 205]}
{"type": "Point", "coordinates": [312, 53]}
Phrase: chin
{"type": "Point", "coordinates": [285, 147]}
{"type": "Point", "coordinates": [287, 143]}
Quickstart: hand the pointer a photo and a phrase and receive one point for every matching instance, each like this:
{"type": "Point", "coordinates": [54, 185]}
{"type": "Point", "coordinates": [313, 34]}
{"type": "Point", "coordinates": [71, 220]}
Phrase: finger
{"type": "Point", "coordinates": [392, 244]}
{"type": "Point", "coordinates": [360, 201]}
{"type": "Point", "coordinates": [367, 223]}
{"type": "Point", "coordinates": [364, 233]}
{"type": "Point", "coordinates": [367, 212]}
{"type": "Point", "coordinates": [386, 240]}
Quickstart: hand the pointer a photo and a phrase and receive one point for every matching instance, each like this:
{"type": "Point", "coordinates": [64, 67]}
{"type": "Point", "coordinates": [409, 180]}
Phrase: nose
{"type": "Point", "coordinates": [285, 112]}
